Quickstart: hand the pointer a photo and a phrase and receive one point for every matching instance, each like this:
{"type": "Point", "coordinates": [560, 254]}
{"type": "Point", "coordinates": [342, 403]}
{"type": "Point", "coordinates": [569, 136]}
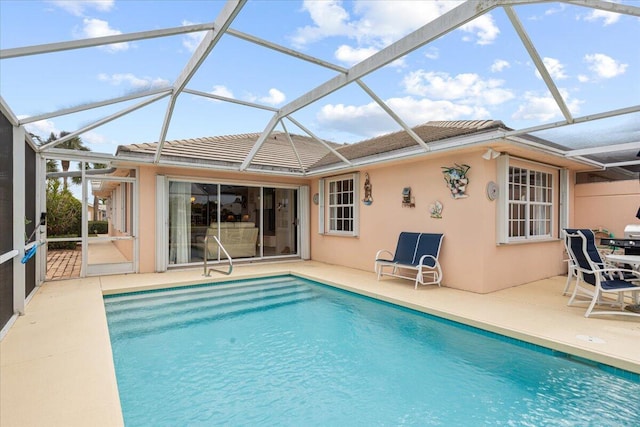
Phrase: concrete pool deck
{"type": "Point", "coordinates": [56, 367]}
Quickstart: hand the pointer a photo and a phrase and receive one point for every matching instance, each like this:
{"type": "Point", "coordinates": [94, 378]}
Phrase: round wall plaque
{"type": "Point", "coordinates": [316, 198]}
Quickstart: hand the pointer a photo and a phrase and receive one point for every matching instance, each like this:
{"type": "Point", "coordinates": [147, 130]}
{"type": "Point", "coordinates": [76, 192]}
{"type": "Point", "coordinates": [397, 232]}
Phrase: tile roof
{"type": "Point", "coordinates": [428, 132]}
{"type": "Point", "coordinates": [277, 153]}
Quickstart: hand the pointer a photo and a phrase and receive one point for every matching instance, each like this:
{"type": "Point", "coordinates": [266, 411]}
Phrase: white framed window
{"type": "Point", "coordinates": [339, 205]}
{"type": "Point", "coordinates": [528, 203]}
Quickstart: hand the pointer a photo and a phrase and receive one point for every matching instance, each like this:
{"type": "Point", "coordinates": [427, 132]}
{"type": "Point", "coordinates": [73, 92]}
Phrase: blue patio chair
{"type": "Point", "coordinates": [596, 279]}
{"type": "Point", "coordinates": [415, 251]}
{"type": "Point", "coordinates": [572, 273]}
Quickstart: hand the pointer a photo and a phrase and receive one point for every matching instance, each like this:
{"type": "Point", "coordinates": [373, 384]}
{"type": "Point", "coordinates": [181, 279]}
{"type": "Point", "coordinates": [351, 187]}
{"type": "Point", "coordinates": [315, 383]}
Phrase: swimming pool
{"type": "Point", "coordinates": [287, 351]}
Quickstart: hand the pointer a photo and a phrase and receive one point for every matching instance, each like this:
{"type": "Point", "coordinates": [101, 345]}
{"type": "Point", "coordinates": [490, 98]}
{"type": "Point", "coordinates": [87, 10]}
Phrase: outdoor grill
{"type": "Point", "coordinates": [630, 242]}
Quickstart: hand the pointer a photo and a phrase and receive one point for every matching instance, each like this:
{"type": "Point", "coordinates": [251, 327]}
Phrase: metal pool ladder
{"type": "Point", "coordinates": [207, 273]}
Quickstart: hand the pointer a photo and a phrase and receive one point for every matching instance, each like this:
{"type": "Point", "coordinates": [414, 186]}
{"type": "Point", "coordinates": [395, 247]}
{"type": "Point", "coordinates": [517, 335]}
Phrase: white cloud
{"type": "Point", "coordinates": [76, 7]}
{"type": "Point", "coordinates": [133, 81]}
{"type": "Point", "coordinates": [583, 78]}
{"type": "Point", "coordinates": [94, 138]}
{"type": "Point", "coordinates": [553, 10]}
{"type": "Point", "coordinates": [607, 18]}
{"type": "Point", "coordinates": [98, 28]}
{"type": "Point", "coordinates": [499, 65]}
{"type": "Point", "coordinates": [554, 67]}
{"type": "Point", "coordinates": [329, 18]}
{"type": "Point", "coordinates": [544, 108]}
{"type": "Point", "coordinates": [42, 128]}
{"type": "Point", "coordinates": [275, 97]}
{"type": "Point", "coordinates": [483, 28]}
{"type": "Point", "coordinates": [379, 23]}
{"type": "Point", "coordinates": [222, 90]}
{"type": "Point", "coordinates": [467, 88]}
{"type": "Point", "coordinates": [432, 52]}
{"type": "Point", "coordinates": [370, 120]}
{"type": "Point", "coordinates": [192, 40]}
{"type": "Point", "coordinates": [604, 66]}
{"type": "Point", "coordinates": [352, 56]}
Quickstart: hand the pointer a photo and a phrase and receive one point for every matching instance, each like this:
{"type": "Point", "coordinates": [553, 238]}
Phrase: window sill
{"type": "Point", "coordinates": [529, 241]}
{"type": "Point", "coordinates": [338, 234]}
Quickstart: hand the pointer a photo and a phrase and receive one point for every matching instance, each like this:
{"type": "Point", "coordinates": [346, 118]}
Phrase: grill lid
{"type": "Point", "coordinates": [632, 231]}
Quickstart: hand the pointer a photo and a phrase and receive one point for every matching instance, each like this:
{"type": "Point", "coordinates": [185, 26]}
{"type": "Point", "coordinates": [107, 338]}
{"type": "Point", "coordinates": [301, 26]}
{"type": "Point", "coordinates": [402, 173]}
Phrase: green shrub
{"type": "Point", "coordinates": [98, 227]}
{"type": "Point", "coordinates": [62, 245]}
{"type": "Point", "coordinates": [64, 211]}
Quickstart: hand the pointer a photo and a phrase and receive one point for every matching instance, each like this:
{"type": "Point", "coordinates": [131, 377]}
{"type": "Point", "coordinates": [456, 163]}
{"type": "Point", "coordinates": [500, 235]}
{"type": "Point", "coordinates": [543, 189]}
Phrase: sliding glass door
{"type": "Point", "coordinates": [249, 221]}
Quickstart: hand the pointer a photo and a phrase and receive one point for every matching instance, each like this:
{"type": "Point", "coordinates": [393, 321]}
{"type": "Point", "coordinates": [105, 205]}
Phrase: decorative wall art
{"type": "Point", "coordinates": [407, 198]}
{"type": "Point", "coordinates": [368, 199]}
{"type": "Point", "coordinates": [456, 179]}
{"type": "Point", "coordinates": [435, 209]}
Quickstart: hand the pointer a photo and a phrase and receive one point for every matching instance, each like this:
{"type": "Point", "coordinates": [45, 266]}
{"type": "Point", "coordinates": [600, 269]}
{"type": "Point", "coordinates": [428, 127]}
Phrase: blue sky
{"type": "Point", "coordinates": [481, 71]}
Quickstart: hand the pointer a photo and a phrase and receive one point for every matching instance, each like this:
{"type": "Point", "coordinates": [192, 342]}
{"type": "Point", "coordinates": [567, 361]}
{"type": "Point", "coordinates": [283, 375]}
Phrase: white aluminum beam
{"type": "Point", "coordinates": [285, 50]}
{"type": "Point", "coordinates": [19, 270]}
{"type": "Point", "coordinates": [607, 6]}
{"type": "Point", "coordinates": [99, 41]}
{"type": "Point", "coordinates": [620, 164]}
{"type": "Point", "coordinates": [101, 122]}
{"type": "Point", "coordinates": [6, 110]}
{"type": "Point", "coordinates": [312, 135]}
{"type": "Point", "coordinates": [90, 106]}
{"type": "Point", "coordinates": [78, 155]}
{"type": "Point", "coordinates": [286, 132]}
{"type": "Point", "coordinates": [583, 119]}
{"type": "Point", "coordinates": [535, 57]}
{"type": "Point", "coordinates": [604, 149]}
{"type": "Point", "coordinates": [232, 100]}
{"type": "Point", "coordinates": [425, 34]}
{"type": "Point", "coordinates": [230, 10]}
{"type": "Point", "coordinates": [393, 115]}
{"type": "Point", "coordinates": [261, 139]}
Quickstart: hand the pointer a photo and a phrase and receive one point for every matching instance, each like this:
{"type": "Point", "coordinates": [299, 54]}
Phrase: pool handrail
{"type": "Point", "coordinates": [207, 273]}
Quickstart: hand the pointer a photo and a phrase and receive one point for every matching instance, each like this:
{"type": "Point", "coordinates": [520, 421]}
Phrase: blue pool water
{"type": "Point", "coordinates": [290, 352]}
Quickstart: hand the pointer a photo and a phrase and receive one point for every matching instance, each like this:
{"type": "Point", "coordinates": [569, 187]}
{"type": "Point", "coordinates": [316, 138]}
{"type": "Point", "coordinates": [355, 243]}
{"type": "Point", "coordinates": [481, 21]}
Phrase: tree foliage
{"type": "Point", "coordinates": [64, 211]}
{"type": "Point", "coordinates": [74, 143]}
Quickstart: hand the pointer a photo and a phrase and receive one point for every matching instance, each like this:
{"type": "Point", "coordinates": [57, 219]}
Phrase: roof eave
{"type": "Point", "coordinates": [450, 144]}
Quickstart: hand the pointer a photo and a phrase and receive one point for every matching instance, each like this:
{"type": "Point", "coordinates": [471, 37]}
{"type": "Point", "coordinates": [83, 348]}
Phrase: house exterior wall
{"type": "Point", "coordinates": [147, 199]}
{"type": "Point", "coordinates": [609, 206]}
{"type": "Point", "coordinates": [470, 258]}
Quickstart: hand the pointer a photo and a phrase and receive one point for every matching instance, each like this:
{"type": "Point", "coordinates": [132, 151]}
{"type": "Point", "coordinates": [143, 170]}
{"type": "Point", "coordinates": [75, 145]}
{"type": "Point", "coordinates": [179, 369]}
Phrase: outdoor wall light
{"type": "Point", "coordinates": [491, 154]}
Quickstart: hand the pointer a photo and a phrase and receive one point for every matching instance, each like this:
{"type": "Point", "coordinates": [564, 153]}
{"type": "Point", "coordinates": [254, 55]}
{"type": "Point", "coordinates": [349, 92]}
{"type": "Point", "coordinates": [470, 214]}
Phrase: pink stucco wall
{"type": "Point", "coordinates": [470, 257]}
{"type": "Point", "coordinates": [610, 206]}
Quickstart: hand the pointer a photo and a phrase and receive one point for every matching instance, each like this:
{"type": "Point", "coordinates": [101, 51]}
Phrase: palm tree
{"type": "Point", "coordinates": [52, 165]}
{"type": "Point", "coordinates": [74, 143]}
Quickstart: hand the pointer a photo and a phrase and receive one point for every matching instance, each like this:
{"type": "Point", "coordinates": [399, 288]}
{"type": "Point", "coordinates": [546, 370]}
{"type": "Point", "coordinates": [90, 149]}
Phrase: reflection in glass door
{"type": "Point", "coordinates": [250, 221]}
{"type": "Point", "coordinates": [280, 209]}
{"type": "Point", "coordinates": [110, 232]}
